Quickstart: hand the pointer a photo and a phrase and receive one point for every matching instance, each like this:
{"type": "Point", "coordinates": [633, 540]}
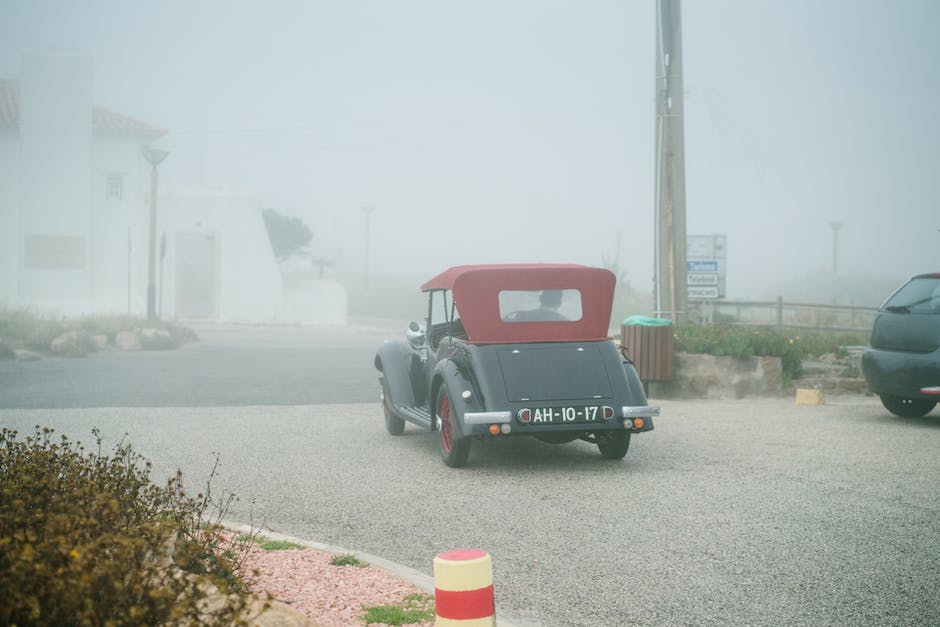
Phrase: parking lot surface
{"type": "Point", "coordinates": [737, 512]}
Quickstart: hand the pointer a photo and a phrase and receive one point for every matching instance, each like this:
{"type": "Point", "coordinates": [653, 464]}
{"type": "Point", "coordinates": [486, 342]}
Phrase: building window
{"type": "Point", "coordinates": [115, 189]}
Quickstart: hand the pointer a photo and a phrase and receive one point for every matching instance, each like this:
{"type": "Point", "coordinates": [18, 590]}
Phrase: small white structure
{"type": "Point", "coordinates": [309, 298]}
{"type": "Point", "coordinates": [217, 261]}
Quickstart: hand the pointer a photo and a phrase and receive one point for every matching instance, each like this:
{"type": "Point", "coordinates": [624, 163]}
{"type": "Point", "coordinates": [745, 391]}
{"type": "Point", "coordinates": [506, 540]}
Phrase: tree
{"type": "Point", "coordinates": [288, 235]}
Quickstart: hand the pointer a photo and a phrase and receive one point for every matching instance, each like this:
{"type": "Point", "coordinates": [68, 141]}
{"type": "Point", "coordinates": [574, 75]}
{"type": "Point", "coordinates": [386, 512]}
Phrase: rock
{"type": "Point", "coordinates": [855, 385]}
{"type": "Point", "coordinates": [820, 367]}
{"type": "Point", "coordinates": [772, 373]}
{"type": "Point", "coordinates": [100, 342]}
{"type": "Point", "coordinates": [156, 339]}
{"type": "Point", "coordinates": [833, 374]}
{"type": "Point", "coordinates": [708, 376]}
{"type": "Point", "coordinates": [127, 341]}
{"type": "Point", "coordinates": [21, 354]}
{"type": "Point", "coordinates": [276, 614]}
{"type": "Point", "coordinates": [71, 344]}
{"type": "Point", "coordinates": [806, 396]}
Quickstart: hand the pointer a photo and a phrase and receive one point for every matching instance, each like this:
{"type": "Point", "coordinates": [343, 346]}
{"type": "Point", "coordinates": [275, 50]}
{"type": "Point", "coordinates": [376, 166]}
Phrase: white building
{"type": "Point", "coordinates": [72, 193]}
{"type": "Point", "coordinates": [74, 217]}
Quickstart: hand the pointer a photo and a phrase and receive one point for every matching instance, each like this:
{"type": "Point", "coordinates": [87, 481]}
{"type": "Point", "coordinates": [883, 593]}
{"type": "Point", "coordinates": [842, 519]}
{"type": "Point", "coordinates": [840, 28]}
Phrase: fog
{"type": "Point", "coordinates": [522, 131]}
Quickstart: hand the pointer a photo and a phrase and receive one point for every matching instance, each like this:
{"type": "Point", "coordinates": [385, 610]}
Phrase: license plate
{"type": "Point", "coordinates": [565, 415]}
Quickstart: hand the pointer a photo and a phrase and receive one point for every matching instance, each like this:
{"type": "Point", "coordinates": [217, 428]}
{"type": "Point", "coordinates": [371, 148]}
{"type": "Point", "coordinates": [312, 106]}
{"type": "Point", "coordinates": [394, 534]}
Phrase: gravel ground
{"type": "Point", "coordinates": [744, 512]}
{"type": "Point", "coordinates": [330, 596]}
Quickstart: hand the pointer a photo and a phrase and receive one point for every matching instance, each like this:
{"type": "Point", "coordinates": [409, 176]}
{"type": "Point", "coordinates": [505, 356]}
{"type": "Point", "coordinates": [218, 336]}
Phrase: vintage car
{"type": "Point", "coordinates": [514, 350]}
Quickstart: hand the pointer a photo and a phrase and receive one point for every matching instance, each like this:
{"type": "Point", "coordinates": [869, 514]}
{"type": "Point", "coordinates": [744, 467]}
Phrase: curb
{"type": "Point", "coordinates": [415, 577]}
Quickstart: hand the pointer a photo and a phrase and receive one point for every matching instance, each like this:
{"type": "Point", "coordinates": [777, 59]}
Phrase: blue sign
{"type": "Point", "coordinates": [702, 266]}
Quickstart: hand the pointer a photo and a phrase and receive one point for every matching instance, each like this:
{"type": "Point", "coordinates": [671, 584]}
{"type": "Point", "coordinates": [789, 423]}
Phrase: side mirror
{"type": "Point", "coordinates": [415, 335]}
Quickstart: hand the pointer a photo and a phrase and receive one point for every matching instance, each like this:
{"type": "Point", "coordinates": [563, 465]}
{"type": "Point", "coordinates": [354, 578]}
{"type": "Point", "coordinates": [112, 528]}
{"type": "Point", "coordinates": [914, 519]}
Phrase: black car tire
{"type": "Point", "coordinates": [613, 444]}
{"type": "Point", "coordinates": [907, 407]}
{"type": "Point", "coordinates": [454, 451]}
{"type": "Point", "coordinates": [393, 424]}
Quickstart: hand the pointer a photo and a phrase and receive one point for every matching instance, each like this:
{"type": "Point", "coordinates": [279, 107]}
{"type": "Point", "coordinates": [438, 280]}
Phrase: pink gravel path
{"type": "Point", "coordinates": [332, 596]}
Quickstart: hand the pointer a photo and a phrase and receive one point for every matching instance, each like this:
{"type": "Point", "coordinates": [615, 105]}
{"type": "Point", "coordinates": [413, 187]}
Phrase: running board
{"type": "Point", "coordinates": [417, 415]}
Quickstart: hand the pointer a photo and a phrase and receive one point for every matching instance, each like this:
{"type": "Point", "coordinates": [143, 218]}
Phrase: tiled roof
{"type": "Point", "coordinates": [102, 119]}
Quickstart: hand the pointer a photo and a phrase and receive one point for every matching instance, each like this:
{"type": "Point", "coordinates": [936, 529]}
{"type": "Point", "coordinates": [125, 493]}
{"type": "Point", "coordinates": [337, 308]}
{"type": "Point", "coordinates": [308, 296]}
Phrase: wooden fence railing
{"type": "Point", "coordinates": [780, 314]}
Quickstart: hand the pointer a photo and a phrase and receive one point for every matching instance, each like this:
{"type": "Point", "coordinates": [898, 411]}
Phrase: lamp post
{"type": "Point", "coordinates": [835, 226]}
{"type": "Point", "coordinates": [153, 156]}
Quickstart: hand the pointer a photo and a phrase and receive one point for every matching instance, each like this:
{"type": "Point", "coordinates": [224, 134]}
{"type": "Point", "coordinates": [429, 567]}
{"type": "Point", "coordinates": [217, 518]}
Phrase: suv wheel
{"type": "Point", "coordinates": [907, 407]}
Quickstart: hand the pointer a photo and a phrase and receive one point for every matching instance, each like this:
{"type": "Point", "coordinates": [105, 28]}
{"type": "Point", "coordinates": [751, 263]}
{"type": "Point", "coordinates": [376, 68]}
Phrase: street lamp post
{"type": "Point", "coordinates": [835, 226]}
{"type": "Point", "coordinates": [153, 156]}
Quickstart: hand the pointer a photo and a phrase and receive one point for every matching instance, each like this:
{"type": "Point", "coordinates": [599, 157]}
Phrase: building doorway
{"type": "Point", "coordinates": [197, 275]}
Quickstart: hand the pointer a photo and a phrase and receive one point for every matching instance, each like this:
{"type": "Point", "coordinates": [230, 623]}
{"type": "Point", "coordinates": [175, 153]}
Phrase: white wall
{"type": "Point", "coordinates": [247, 284]}
{"type": "Point", "coordinates": [9, 216]}
{"type": "Point", "coordinates": [115, 221]}
{"type": "Point", "coordinates": [55, 133]}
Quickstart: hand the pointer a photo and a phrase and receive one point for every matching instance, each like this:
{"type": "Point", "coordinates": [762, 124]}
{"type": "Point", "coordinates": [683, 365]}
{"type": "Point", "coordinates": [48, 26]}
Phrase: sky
{"type": "Point", "coordinates": [523, 130]}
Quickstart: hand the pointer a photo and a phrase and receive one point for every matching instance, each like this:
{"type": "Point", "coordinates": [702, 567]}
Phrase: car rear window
{"type": "Point", "coordinates": [919, 295]}
{"type": "Point", "coordinates": [540, 305]}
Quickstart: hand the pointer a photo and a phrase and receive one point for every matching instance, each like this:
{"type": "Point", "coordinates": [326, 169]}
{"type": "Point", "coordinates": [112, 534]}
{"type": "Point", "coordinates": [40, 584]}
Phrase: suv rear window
{"type": "Point", "coordinates": [919, 295]}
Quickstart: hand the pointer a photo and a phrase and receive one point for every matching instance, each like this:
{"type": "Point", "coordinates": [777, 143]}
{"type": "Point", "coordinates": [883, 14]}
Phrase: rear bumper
{"type": "Point", "coordinates": [639, 411]}
{"type": "Point", "coordinates": [906, 375]}
{"type": "Point", "coordinates": [502, 417]}
{"type": "Point", "coordinates": [478, 423]}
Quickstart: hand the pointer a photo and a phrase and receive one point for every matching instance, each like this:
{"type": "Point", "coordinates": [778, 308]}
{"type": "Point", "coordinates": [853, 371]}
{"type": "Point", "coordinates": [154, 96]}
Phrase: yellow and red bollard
{"type": "Point", "coordinates": [463, 589]}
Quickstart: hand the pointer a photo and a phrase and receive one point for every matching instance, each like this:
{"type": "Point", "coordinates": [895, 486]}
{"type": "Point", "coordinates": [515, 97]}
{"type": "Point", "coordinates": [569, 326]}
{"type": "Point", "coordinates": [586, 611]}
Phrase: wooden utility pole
{"type": "Point", "coordinates": [670, 258]}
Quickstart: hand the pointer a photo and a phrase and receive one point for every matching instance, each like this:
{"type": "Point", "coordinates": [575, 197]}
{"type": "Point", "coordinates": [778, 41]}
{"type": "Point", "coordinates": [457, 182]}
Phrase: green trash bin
{"type": "Point", "coordinates": [650, 344]}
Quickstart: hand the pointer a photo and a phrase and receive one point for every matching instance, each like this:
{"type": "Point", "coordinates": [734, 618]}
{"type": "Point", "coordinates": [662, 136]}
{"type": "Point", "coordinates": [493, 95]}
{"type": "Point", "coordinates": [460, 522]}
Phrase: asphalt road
{"type": "Point", "coordinates": [228, 366]}
{"type": "Point", "coordinates": [742, 512]}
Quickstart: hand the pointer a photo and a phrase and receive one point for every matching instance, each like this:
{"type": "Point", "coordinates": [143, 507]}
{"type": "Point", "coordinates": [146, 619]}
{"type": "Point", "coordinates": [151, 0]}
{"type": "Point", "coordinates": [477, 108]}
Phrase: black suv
{"type": "Point", "coordinates": [902, 362]}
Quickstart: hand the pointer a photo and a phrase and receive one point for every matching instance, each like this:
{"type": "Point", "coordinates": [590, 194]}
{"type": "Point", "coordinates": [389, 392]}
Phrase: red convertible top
{"type": "Point", "coordinates": [476, 293]}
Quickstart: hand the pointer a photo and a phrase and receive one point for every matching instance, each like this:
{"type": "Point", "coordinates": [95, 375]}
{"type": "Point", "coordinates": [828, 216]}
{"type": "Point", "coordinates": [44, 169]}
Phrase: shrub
{"type": "Point", "coordinates": [414, 608]}
{"type": "Point", "coordinates": [347, 559]}
{"type": "Point", "coordinates": [87, 539]}
{"type": "Point", "coordinates": [20, 328]}
{"type": "Point", "coordinates": [26, 330]}
{"type": "Point", "coordinates": [287, 234]}
{"type": "Point", "coordinates": [791, 347]}
{"type": "Point", "coordinates": [108, 325]}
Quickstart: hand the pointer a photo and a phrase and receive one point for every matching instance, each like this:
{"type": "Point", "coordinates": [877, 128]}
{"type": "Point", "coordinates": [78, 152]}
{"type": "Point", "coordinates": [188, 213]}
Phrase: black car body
{"type": "Point", "coordinates": [902, 361]}
{"type": "Point", "coordinates": [510, 350]}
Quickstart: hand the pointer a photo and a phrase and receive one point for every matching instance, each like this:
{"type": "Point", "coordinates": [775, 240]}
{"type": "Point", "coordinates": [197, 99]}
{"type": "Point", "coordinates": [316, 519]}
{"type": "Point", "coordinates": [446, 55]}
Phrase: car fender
{"type": "Point", "coordinates": [394, 360]}
{"type": "Point", "coordinates": [636, 396]}
{"type": "Point", "coordinates": [634, 384]}
{"type": "Point", "coordinates": [447, 373]}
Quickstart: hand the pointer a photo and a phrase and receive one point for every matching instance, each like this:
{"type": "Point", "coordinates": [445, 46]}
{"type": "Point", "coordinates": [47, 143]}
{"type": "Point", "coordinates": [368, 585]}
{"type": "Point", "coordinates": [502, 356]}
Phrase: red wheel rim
{"type": "Point", "coordinates": [443, 413]}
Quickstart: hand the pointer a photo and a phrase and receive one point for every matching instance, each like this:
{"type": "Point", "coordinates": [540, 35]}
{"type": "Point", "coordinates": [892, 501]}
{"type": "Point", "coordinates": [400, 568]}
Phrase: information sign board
{"type": "Point", "coordinates": [702, 265]}
{"type": "Point", "coordinates": [702, 293]}
{"type": "Point", "coordinates": [702, 278]}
